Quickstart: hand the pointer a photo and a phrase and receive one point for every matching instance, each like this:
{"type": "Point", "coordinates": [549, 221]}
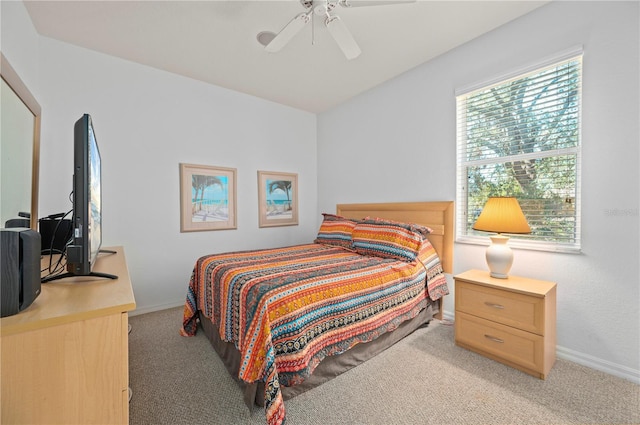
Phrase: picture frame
{"type": "Point", "coordinates": [207, 198]}
{"type": "Point", "coordinates": [277, 199]}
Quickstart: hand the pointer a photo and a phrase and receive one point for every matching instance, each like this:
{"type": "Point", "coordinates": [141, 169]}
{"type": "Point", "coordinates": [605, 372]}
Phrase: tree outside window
{"type": "Point", "coordinates": [521, 138]}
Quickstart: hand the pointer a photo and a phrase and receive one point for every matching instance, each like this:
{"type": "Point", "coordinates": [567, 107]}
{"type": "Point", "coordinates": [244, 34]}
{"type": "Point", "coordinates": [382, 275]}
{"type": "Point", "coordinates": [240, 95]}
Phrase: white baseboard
{"type": "Point", "coordinates": [605, 366]}
{"type": "Point", "coordinates": [447, 315]}
{"type": "Point", "coordinates": [587, 360]}
{"type": "Point", "coordinates": [150, 309]}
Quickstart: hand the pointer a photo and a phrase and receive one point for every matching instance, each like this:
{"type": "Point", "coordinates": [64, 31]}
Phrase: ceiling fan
{"type": "Point", "coordinates": [273, 42]}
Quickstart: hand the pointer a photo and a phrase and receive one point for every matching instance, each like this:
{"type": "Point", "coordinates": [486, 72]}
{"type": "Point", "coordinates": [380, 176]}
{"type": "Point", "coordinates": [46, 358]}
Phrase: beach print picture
{"type": "Point", "coordinates": [277, 199]}
{"type": "Point", "coordinates": [207, 198]}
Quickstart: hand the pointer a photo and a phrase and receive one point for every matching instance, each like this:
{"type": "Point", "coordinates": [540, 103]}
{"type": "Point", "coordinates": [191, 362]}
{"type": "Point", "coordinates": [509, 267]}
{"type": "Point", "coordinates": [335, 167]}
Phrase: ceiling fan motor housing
{"type": "Point", "coordinates": [334, 25]}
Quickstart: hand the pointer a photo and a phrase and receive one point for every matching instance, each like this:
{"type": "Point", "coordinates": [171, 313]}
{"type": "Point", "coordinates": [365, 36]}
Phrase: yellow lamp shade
{"type": "Point", "coordinates": [502, 215]}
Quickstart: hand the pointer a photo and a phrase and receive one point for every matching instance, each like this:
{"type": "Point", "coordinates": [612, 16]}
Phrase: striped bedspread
{"type": "Point", "coordinates": [286, 309]}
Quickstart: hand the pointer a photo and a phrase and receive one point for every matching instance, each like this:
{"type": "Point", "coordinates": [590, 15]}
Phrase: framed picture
{"type": "Point", "coordinates": [277, 199]}
{"type": "Point", "coordinates": [207, 198]}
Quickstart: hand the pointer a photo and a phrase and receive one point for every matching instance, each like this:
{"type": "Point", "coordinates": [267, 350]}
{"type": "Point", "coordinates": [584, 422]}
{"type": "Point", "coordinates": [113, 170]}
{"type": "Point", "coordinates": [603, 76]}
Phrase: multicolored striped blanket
{"type": "Point", "coordinates": [286, 309]}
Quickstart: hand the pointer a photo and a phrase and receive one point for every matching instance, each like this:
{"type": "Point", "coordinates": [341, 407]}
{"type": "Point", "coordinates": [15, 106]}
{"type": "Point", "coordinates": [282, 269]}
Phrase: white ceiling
{"type": "Point", "coordinates": [215, 41]}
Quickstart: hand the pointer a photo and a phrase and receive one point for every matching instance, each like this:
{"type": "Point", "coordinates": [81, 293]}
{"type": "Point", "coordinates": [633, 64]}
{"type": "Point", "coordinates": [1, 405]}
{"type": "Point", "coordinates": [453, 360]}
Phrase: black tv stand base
{"type": "Point", "coordinates": [64, 275]}
{"type": "Point", "coordinates": [91, 274]}
{"type": "Point", "coordinates": [105, 275]}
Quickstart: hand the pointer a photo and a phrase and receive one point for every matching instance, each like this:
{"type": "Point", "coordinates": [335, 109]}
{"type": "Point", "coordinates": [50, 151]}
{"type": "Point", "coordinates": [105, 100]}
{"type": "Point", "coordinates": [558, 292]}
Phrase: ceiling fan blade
{"type": "Point", "coordinates": [288, 32]}
{"type": "Point", "coordinates": [343, 37]}
{"type": "Point", "coordinates": [360, 3]}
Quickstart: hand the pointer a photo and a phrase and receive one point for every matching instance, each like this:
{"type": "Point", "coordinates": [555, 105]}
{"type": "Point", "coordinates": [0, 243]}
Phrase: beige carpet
{"type": "Point", "coordinates": [424, 379]}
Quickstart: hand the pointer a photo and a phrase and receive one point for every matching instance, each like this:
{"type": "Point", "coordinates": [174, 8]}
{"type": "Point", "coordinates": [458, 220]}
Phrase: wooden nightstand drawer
{"type": "Point", "coordinates": [509, 320]}
{"type": "Point", "coordinates": [512, 345]}
{"type": "Point", "coordinates": [521, 311]}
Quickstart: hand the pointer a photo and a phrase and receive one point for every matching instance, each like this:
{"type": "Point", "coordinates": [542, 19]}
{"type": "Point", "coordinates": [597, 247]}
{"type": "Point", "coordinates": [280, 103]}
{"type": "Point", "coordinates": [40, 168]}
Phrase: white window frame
{"type": "Point", "coordinates": [461, 175]}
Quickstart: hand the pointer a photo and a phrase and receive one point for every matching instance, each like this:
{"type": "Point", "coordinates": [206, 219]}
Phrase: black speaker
{"type": "Point", "coordinates": [23, 221]}
{"type": "Point", "coordinates": [17, 222]}
{"type": "Point", "coordinates": [20, 276]}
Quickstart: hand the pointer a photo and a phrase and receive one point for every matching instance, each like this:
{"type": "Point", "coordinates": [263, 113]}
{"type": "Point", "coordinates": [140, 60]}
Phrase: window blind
{"type": "Point", "coordinates": [521, 137]}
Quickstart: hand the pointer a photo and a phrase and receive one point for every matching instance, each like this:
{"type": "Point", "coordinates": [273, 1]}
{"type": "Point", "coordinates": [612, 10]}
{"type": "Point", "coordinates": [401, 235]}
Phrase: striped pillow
{"type": "Point", "coordinates": [336, 230]}
{"type": "Point", "coordinates": [389, 239]}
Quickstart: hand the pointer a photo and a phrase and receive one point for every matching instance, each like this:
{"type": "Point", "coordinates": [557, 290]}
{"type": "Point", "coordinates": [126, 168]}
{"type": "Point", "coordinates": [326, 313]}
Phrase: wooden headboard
{"type": "Point", "coordinates": [436, 215]}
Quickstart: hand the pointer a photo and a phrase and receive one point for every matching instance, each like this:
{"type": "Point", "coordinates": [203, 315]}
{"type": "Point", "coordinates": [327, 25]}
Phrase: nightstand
{"type": "Point", "coordinates": [512, 321]}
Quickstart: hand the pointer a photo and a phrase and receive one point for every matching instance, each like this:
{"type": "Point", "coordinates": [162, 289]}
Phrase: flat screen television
{"type": "Point", "coordinates": [86, 240]}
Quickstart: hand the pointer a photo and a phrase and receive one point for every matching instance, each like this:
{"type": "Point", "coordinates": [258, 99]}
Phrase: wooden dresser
{"type": "Point", "coordinates": [511, 320]}
{"type": "Point", "coordinates": [65, 359]}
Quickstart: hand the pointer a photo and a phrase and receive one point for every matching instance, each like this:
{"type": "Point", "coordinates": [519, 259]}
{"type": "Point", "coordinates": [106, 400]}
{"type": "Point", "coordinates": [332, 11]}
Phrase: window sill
{"type": "Point", "coordinates": [521, 244]}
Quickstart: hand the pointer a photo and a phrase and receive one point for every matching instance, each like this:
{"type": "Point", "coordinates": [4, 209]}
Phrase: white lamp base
{"type": "Point", "coordinates": [499, 257]}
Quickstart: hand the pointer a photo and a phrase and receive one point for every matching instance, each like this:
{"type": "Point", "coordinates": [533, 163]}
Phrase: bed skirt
{"type": "Point", "coordinates": [329, 367]}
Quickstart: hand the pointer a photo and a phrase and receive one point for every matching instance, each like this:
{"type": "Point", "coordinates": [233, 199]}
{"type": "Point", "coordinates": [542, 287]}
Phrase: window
{"type": "Point", "coordinates": [521, 137]}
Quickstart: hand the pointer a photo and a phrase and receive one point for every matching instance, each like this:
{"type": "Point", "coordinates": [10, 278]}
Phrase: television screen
{"type": "Point", "coordinates": [84, 247]}
{"type": "Point", "coordinates": [87, 199]}
{"type": "Point", "coordinates": [94, 201]}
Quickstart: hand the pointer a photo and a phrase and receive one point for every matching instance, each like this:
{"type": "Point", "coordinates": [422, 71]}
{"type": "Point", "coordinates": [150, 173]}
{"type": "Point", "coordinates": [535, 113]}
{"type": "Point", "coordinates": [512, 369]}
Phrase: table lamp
{"type": "Point", "coordinates": [501, 215]}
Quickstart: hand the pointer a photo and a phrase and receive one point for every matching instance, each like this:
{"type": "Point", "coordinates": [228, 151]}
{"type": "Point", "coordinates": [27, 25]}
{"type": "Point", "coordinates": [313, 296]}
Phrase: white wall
{"type": "Point", "coordinates": [19, 42]}
{"type": "Point", "coordinates": [397, 143]}
{"type": "Point", "coordinates": [147, 122]}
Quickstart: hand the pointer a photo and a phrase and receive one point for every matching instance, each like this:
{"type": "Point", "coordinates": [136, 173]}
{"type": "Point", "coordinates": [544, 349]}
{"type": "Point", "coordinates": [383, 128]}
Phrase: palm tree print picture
{"type": "Point", "coordinates": [207, 198]}
{"type": "Point", "coordinates": [278, 199]}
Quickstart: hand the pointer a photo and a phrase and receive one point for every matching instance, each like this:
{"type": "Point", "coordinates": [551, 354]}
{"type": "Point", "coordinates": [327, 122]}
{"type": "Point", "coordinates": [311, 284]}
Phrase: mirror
{"type": "Point", "coordinates": [19, 148]}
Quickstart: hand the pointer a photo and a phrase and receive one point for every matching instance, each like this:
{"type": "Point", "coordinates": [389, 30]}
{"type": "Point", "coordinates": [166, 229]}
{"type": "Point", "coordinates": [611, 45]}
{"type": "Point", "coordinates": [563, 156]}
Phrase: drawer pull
{"type": "Point", "coordinates": [494, 339]}
{"type": "Point", "coordinates": [498, 306]}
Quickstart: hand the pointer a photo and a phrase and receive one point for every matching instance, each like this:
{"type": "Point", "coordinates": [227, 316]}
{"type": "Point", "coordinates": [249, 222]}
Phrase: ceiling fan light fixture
{"type": "Point", "coordinates": [343, 37]}
{"type": "Point", "coordinates": [339, 31]}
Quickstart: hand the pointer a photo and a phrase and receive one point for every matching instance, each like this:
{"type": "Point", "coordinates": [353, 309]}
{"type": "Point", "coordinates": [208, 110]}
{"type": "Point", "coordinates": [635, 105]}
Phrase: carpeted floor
{"type": "Point", "coordinates": [424, 379]}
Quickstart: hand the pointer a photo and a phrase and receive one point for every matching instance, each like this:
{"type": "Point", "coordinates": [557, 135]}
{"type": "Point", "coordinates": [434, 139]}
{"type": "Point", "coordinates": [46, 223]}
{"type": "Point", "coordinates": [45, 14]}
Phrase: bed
{"type": "Point", "coordinates": [285, 320]}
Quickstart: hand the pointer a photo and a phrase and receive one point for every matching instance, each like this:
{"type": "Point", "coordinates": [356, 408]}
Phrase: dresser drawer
{"type": "Point", "coordinates": [502, 342]}
{"type": "Point", "coordinates": [522, 311]}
